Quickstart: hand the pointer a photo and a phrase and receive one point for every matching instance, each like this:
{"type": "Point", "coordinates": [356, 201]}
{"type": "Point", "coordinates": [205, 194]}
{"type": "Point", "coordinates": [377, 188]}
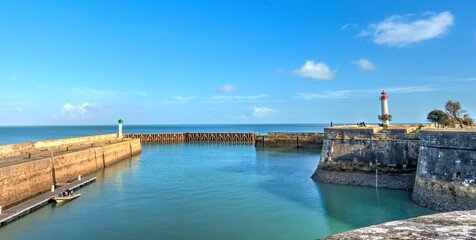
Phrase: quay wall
{"type": "Point", "coordinates": [446, 174]}
{"type": "Point", "coordinates": [290, 140]}
{"type": "Point", "coordinates": [67, 167]}
{"type": "Point", "coordinates": [116, 152]}
{"type": "Point", "coordinates": [21, 181]}
{"type": "Point", "coordinates": [366, 157]}
{"type": "Point", "coordinates": [31, 147]}
{"type": "Point", "coordinates": [26, 178]}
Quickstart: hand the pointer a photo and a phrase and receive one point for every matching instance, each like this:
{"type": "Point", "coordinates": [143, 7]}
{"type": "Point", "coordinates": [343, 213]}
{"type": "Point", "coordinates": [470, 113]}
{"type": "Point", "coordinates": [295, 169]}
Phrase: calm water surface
{"type": "Point", "coordinates": [212, 191]}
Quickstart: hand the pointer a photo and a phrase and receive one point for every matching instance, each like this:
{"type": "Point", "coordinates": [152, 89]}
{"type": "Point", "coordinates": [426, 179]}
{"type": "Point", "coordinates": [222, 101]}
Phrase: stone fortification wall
{"type": "Point", "coordinates": [290, 140]}
{"type": "Point", "coordinates": [135, 146]}
{"type": "Point", "coordinates": [353, 156]}
{"type": "Point", "coordinates": [67, 167]}
{"type": "Point", "coordinates": [451, 225]}
{"type": "Point", "coordinates": [116, 152]}
{"type": "Point", "coordinates": [31, 147]}
{"type": "Point", "coordinates": [22, 177]}
{"type": "Point", "coordinates": [446, 175]}
{"type": "Point", "coordinates": [21, 181]}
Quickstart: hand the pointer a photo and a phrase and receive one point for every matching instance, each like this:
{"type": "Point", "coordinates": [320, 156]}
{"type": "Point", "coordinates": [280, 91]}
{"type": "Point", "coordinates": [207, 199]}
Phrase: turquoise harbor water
{"type": "Point", "coordinates": [207, 191]}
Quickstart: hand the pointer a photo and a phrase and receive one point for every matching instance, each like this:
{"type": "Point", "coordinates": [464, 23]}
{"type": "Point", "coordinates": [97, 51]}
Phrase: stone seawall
{"type": "Point", "coordinates": [290, 140]}
{"type": "Point", "coordinates": [366, 157]}
{"type": "Point", "coordinates": [30, 173]}
{"type": "Point", "coordinates": [451, 225]}
{"type": "Point", "coordinates": [23, 180]}
{"type": "Point", "coordinates": [31, 147]}
{"type": "Point", "coordinates": [446, 174]}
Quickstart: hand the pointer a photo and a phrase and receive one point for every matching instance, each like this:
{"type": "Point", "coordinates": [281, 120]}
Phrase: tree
{"type": "Point", "coordinates": [385, 118]}
{"type": "Point", "coordinates": [444, 120]}
{"type": "Point", "coordinates": [438, 117]}
{"type": "Point", "coordinates": [468, 121]}
{"type": "Point", "coordinates": [455, 111]}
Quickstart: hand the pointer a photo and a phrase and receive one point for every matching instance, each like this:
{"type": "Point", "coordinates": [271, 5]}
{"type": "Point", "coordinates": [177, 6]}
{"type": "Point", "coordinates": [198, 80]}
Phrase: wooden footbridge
{"type": "Point", "coordinates": [195, 137]}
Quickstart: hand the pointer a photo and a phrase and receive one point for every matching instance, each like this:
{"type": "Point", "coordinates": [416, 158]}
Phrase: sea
{"type": "Point", "coordinates": [206, 191]}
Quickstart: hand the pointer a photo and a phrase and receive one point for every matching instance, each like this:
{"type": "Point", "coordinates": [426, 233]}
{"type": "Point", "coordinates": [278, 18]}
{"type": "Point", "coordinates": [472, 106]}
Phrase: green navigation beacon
{"type": "Point", "coordinates": [120, 127]}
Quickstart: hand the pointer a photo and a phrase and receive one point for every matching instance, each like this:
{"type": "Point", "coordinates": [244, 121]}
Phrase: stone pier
{"type": "Point", "coordinates": [28, 169]}
{"type": "Point", "coordinates": [290, 140]}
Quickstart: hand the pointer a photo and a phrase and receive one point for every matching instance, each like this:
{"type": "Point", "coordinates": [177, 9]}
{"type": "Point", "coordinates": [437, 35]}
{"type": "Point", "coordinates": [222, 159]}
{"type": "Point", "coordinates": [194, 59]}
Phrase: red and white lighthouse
{"type": "Point", "coordinates": [383, 101]}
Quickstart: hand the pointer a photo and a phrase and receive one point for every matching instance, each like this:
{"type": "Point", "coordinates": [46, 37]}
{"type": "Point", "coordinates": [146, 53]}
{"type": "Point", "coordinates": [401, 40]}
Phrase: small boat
{"type": "Point", "coordinates": [66, 198]}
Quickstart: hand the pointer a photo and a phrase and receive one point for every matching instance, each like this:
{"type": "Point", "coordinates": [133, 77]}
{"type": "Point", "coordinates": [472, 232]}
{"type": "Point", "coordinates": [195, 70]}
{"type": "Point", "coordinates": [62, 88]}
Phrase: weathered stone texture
{"type": "Point", "coordinates": [22, 148]}
{"type": "Point", "coordinates": [135, 146]}
{"type": "Point", "coordinates": [446, 174]}
{"type": "Point", "coordinates": [353, 155]}
{"type": "Point", "coordinates": [22, 177]}
{"type": "Point", "coordinates": [69, 166]}
{"type": "Point", "coordinates": [116, 152]}
{"type": "Point", "coordinates": [388, 180]}
{"type": "Point", "coordinates": [451, 225]}
{"type": "Point", "coordinates": [290, 140]}
{"type": "Point", "coordinates": [21, 181]}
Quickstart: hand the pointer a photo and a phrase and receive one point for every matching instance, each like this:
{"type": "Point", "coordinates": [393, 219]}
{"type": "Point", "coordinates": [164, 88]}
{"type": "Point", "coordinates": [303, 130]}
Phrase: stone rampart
{"type": "Point", "coordinates": [446, 174]}
{"type": "Point", "coordinates": [290, 140]}
{"type": "Point", "coordinates": [367, 157]}
{"type": "Point", "coordinates": [31, 173]}
{"type": "Point", "coordinates": [450, 225]}
{"type": "Point", "coordinates": [23, 180]}
{"type": "Point", "coordinates": [31, 147]}
{"type": "Point", "coordinates": [135, 146]}
{"type": "Point", "coordinates": [68, 166]}
{"type": "Point", "coordinates": [116, 152]}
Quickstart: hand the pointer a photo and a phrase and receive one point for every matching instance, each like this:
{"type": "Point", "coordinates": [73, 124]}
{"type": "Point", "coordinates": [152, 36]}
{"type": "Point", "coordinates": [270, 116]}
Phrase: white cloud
{"type": "Point", "coordinates": [468, 79]}
{"type": "Point", "coordinates": [365, 65]}
{"type": "Point", "coordinates": [342, 94]}
{"type": "Point", "coordinates": [344, 27]}
{"type": "Point", "coordinates": [73, 110]}
{"type": "Point", "coordinates": [325, 95]}
{"type": "Point", "coordinates": [226, 89]}
{"type": "Point", "coordinates": [93, 92]}
{"type": "Point", "coordinates": [411, 89]}
{"type": "Point", "coordinates": [363, 33]}
{"type": "Point", "coordinates": [221, 97]}
{"type": "Point", "coordinates": [261, 111]}
{"type": "Point", "coordinates": [180, 98]}
{"type": "Point", "coordinates": [315, 70]}
{"type": "Point", "coordinates": [402, 30]}
{"type": "Point", "coordinates": [177, 100]}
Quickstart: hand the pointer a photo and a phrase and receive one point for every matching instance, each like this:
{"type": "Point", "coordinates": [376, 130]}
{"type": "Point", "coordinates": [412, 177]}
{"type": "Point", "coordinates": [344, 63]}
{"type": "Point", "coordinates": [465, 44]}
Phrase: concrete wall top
{"type": "Point", "coordinates": [452, 138]}
{"type": "Point", "coordinates": [352, 131]}
{"type": "Point", "coordinates": [294, 134]}
{"type": "Point", "coordinates": [22, 148]}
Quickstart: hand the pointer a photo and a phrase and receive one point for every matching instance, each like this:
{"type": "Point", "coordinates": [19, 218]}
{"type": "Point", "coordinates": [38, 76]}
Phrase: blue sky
{"type": "Point", "coordinates": [166, 62]}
